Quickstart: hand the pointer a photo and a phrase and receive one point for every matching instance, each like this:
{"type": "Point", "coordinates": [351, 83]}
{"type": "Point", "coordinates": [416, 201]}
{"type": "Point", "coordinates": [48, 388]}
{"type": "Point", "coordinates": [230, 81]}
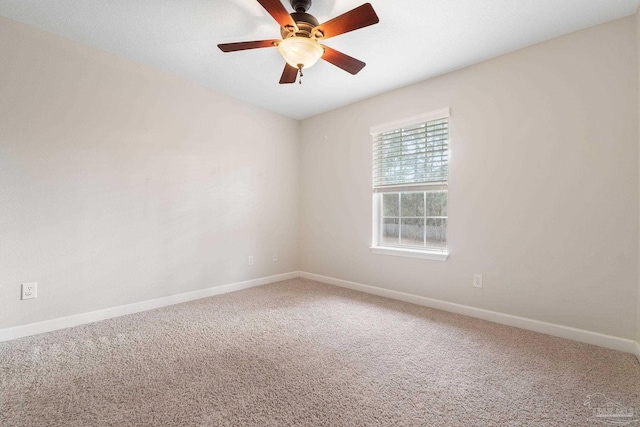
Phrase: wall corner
{"type": "Point", "coordinates": [638, 124]}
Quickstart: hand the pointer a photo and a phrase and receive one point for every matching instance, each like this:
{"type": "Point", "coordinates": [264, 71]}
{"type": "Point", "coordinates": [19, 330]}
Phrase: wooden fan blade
{"type": "Point", "coordinates": [339, 59]}
{"type": "Point", "coordinates": [289, 74]}
{"type": "Point", "coordinates": [234, 47]}
{"type": "Point", "coordinates": [279, 13]}
{"type": "Point", "coordinates": [360, 17]}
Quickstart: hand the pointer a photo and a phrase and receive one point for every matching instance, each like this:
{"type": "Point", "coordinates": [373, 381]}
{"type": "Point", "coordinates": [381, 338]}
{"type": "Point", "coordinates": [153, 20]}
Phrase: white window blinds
{"type": "Point", "coordinates": [413, 153]}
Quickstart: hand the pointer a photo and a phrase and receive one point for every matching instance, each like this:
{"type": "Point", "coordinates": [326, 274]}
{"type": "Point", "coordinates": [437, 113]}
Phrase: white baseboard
{"type": "Point", "coordinates": [595, 338]}
{"type": "Point", "coordinates": [581, 335]}
{"type": "Point", "coordinates": [108, 313]}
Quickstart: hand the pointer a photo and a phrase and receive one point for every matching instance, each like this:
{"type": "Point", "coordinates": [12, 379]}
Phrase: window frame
{"type": "Point", "coordinates": [377, 210]}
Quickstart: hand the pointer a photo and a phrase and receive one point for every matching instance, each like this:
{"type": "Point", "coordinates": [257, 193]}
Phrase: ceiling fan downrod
{"type": "Point", "coordinates": [300, 5]}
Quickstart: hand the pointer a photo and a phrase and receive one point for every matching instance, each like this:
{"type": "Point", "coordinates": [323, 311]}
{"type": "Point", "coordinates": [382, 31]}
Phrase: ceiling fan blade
{"type": "Point", "coordinates": [360, 17]}
{"type": "Point", "coordinates": [234, 47]}
{"type": "Point", "coordinates": [279, 13]}
{"type": "Point", "coordinates": [289, 74]}
{"type": "Point", "coordinates": [339, 59]}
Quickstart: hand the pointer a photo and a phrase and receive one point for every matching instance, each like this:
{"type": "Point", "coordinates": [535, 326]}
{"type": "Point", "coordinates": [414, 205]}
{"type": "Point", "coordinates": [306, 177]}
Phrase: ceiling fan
{"type": "Point", "coordinates": [300, 35]}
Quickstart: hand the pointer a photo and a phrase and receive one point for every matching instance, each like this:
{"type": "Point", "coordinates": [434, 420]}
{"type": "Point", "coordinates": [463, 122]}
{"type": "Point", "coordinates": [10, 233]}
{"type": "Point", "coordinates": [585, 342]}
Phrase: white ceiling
{"type": "Point", "coordinates": [415, 40]}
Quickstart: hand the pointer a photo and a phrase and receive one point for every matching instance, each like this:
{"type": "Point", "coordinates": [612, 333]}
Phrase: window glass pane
{"type": "Point", "coordinates": [390, 231]}
{"type": "Point", "coordinates": [412, 204]}
{"type": "Point", "coordinates": [437, 233]}
{"type": "Point", "coordinates": [436, 203]}
{"type": "Point", "coordinates": [412, 232]}
{"type": "Point", "coordinates": [390, 204]}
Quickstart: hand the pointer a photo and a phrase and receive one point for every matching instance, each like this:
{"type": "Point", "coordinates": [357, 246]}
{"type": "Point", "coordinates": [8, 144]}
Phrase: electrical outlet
{"type": "Point", "coordinates": [275, 257]}
{"type": "Point", "coordinates": [250, 259]}
{"type": "Point", "coordinates": [477, 280]}
{"type": "Point", "coordinates": [29, 290]}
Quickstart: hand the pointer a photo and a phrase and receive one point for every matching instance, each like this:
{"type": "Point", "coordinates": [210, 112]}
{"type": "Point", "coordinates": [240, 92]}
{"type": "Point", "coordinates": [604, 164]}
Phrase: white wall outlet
{"type": "Point", "coordinates": [29, 290]}
{"type": "Point", "coordinates": [250, 260]}
{"type": "Point", "coordinates": [275, 257]}
{"type": "Point", "coordinates": [477, 280]}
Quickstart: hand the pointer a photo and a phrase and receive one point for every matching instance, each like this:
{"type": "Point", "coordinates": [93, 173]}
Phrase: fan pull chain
{"type": "Point", "coordinates": [300, 72]}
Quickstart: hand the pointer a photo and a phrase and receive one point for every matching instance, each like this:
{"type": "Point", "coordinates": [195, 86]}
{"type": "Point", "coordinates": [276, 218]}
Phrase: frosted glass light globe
{"type": "Point", "coordinates": [300, 50]}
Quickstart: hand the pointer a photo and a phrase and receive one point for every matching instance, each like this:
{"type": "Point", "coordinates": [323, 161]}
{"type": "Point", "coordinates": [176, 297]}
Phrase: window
{"type": "Point", "coordinates": [410, 186]}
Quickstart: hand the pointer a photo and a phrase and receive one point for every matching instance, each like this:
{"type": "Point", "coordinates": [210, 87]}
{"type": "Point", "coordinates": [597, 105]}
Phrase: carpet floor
{"type": "Point", "coordinates": [302, 353]}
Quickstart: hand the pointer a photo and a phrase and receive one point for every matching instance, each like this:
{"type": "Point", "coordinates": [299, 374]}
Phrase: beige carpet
{"type": "Point", "coordinates": [301, 353]}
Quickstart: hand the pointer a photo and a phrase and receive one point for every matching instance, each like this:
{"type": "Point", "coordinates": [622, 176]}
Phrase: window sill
{"type": "Point", "coordinates": [411, 253]}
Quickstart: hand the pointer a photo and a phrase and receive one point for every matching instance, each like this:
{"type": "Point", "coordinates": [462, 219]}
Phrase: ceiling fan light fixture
{"type": "Point", "coordinates": [300, 51]}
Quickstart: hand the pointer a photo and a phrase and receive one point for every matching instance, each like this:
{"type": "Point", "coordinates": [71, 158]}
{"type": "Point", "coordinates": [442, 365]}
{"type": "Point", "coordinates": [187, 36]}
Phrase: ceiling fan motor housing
{"type": "Point", "coordinates": [305, 22]}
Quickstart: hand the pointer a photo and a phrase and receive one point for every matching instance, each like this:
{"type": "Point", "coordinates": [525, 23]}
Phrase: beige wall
{"type": "Point", "coordinates": [121, 184]}
{"type": "Point", "coordinates": [543, 195]}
